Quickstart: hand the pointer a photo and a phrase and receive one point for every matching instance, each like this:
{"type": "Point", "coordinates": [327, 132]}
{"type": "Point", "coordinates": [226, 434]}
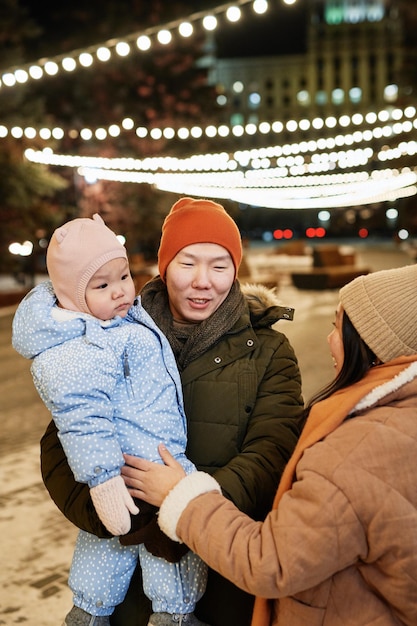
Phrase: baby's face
{"type": "Point", "coordinates": [111, 291]}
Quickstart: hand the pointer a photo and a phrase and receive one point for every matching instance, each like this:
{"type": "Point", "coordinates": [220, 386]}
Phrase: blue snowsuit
{"type": "Point", "coordinates": [112, 387]}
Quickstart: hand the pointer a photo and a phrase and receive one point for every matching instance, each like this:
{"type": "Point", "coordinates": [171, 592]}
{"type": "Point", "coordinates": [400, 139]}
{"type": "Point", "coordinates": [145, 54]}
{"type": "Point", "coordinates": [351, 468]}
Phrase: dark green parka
{"type": "Point", "coordinates": [243, 403]}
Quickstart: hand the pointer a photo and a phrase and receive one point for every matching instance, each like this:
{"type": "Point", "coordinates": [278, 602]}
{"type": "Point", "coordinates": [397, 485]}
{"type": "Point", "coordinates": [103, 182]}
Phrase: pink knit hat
{"type": "Point", "coordinates": [76, 251]}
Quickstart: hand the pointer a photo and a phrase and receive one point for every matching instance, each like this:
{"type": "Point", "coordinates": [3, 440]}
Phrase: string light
{"type": "Point", "coordinates": [122, 47]}
{"type": "Point", "coordinates": [407, 125]}
{"type": "Point", "coordinates": [274, 176]}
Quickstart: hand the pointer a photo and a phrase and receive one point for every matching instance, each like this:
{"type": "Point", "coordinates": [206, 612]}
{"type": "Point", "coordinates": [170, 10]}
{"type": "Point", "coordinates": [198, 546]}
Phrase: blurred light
{"type": "Point", "coordinates": [114, 130]}
{"type": "Point", "coordinates": [363, 233]}
{"type": "Point", "coordinates": [51, 68]}
{"type": "Point", "coordinates": [391, 214]}
{"type": "Point", "coordinates": [128, 123]}
{"type": "Point", "coordinates": [90, 176]}
{"type": "Point", "coordinates": [69, 64]}
{"type": "Point", "coordinates": [403, 234]}
{"type": "Point", "coordinates": [9, 79]}
{"type": "Point", "coordinates": [164, 36]}
{"type": "Point", "coordinates": [103, 53]}
{"type": "Point", "coordinates": [86, 59]}
{"type": "Point", "coordinates": [21, 249]}
{"type": "Point", "coordinates": [324, 216]}
{"type": "Point", "coordinates": [391, 93]}
{"type": "Point", "coordinates": [21, 76]}
{"type": "Point", "coordinates": [156, 133]}
{"type": "Point", "coordinates": [86, 134]}
{"type": "Point", "coordinates": [209, 22]}
{"type": "Point", "coordinates": [260, 6]}
{"type": "Point", "coordinates": [122, 49]}
{"type": "Point", "coordinates": [30, 132]}
{"type": "Point", "coordinates": [237, 86]}
{"type": "Point", "coordinates": [16, 132]}
{"type": "Point", "coordinates": [36, 72]}
{"type": "Point", "coordinates": [101, 133]}
{"type": "Point", "coordinates": [143, 42]}
{"type": "Point", "coordinates": [233, 14]}
{"type": "Point", "coordinates": [267, 236]}
{"type": "Point", "coordinates": [185, 29]}
{"type": "Point", "coordinates": [57, 133]}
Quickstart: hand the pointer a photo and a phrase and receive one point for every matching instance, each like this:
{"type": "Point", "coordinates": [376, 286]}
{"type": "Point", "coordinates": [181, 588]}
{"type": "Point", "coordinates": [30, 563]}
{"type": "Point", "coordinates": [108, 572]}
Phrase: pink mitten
{"type": "Point", "coordinates": [114, 504]}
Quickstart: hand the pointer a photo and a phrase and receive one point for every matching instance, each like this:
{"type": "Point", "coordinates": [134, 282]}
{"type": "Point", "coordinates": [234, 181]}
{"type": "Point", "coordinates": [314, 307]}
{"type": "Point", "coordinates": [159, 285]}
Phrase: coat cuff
{"type": "Point", "coordinates": [193, 485]}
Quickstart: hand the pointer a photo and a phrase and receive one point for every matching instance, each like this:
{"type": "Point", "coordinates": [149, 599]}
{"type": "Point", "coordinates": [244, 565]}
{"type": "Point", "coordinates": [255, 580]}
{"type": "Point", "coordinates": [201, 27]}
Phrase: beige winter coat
{"type": "Point", "coordinates": [341, 546]}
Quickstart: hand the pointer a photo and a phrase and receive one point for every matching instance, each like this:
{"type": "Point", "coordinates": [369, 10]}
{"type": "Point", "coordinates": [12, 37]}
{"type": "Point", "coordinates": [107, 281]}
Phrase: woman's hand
{"type": "Point", "coordinates": [151, 481]}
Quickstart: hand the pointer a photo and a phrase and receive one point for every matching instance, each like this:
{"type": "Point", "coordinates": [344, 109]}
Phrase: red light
{"type": "Point", "coordinates": [316, 232]}
{"type": "Point", "coordinates": [363, 233]}
{"type": "Point", "coordinates": [278, 234]}
{"type": "Point", "coordinates": [288, 234]}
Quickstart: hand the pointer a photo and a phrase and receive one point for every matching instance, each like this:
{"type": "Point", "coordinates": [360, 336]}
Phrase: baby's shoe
{"type": "Point", "coordinates": [78, 617]}
{"type": "Point", "coordinates": [168, 619]}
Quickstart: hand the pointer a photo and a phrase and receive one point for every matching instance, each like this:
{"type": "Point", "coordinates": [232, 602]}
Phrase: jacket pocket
{"type": "Point", "coordinates": [291, 611]}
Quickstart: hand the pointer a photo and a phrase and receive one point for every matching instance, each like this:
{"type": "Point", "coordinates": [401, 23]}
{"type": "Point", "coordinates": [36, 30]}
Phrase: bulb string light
{"type": "Point", "coordinates": [383, 124]}
{"type": "Point", "coordinates": [122, 47]}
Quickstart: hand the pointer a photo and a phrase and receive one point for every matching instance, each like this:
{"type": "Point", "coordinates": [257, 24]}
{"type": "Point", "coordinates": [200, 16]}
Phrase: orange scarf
{"type": "Point", "coordinates": [324, 418]}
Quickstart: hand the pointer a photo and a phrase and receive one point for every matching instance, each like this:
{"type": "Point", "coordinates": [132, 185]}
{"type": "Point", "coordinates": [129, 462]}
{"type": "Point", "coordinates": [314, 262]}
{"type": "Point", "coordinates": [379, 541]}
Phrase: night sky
{"type": "Point", "coordinates": [280, 31]}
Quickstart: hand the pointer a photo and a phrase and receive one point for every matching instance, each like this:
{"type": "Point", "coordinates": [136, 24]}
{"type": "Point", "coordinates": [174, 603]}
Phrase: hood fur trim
{"type": "Point", "coordinates": [390, 386]}
{"type": "Point", "coordinates": [262, 300]}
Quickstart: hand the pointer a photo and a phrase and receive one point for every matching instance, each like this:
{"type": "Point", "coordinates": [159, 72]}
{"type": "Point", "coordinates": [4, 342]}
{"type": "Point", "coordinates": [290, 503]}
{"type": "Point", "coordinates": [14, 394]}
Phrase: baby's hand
{"type": "Point", "coordinates": [114, 504]}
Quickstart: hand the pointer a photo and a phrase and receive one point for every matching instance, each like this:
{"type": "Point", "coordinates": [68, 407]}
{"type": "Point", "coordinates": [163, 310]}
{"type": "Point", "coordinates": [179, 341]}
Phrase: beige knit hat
{"type": "Point", "coordinates": [76, 251]}
{"type": "Point", "coordinates": [382, 306]}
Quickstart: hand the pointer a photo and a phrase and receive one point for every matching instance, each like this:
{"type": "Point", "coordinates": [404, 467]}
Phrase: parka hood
{"type": "Point", "coordinates": [264, 305]}
{"type": "Point", "coordinates": [35, 328]}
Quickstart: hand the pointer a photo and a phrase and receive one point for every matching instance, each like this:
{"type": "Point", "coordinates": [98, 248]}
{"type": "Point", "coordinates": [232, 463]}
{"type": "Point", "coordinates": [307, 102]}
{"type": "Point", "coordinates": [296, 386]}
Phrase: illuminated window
{"type": "Point", "coordinates": [391, 93]}
{"type": "Point", "coordinates": [321, 97]}
{"type": "Point", "coordinates": [355, 95]}
{"type": "Point", "coordinates": [303, 98]}
{"type": "Point", "coordinates": [338, 96]}
{"type": "Point", "coordinates": [238, 86]}
{"type": "Point", "coordinates": [237, 119]}
{"type": "Point", "coordinates": [254, 100]}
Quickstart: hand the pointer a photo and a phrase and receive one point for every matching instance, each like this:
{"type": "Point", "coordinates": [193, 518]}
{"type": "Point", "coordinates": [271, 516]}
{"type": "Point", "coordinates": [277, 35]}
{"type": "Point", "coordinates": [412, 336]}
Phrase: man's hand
{"type": "Point", "coordinates": [151, 481]}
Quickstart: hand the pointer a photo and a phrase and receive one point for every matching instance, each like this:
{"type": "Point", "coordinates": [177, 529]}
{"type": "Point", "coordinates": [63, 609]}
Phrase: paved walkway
{"type": "Point", "coordinates": [35, 540]}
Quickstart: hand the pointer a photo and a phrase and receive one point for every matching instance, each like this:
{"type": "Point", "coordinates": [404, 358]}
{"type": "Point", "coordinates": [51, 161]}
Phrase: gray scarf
{"type": "Point", "coordinates": [190, 341]}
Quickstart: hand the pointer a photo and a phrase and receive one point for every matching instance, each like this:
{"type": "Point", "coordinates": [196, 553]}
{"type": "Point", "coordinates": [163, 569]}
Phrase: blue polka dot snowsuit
{"type": "Point", "coordinates": [112, 388]}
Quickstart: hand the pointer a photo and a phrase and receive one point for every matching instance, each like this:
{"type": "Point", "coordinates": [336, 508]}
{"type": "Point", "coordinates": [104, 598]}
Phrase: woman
{"type": "Point", "coordinates": [340, 545]}
{"type": "Point", "coordinates": [241, 386]}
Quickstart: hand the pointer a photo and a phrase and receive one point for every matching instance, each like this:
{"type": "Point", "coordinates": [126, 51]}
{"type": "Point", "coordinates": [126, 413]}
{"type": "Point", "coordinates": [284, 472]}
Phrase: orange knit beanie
{"type": "Point", "coordinates": [197, 221]}
{"type": "Point", "coordinates": [76, 251]}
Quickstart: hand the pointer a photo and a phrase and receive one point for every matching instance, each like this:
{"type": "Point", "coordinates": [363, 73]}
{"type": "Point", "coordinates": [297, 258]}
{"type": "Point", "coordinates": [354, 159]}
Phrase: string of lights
{"type": "Point", "coordinates": [122, 47]}
{"type": "Point", "coordinates": [293, 175]}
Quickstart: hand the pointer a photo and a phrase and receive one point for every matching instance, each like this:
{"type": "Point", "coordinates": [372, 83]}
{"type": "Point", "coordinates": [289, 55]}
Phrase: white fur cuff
{"type": "Point", "coordinates": [193, 485]}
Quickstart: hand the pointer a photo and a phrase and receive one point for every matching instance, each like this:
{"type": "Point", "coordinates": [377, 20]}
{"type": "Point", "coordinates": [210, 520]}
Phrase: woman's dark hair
{"type": "Point", "coordinates": [358, 359]}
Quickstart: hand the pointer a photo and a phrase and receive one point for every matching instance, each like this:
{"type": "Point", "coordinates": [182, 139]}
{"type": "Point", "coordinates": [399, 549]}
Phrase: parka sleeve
{"type": "Point", "coordinates": [82, 409]}
{"type": "Point", "coordinates": [314, 533]}
{"type": "Point", "coordinates": [72, 498]}
{"type": "Point", "coordinates": [250, 479]}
